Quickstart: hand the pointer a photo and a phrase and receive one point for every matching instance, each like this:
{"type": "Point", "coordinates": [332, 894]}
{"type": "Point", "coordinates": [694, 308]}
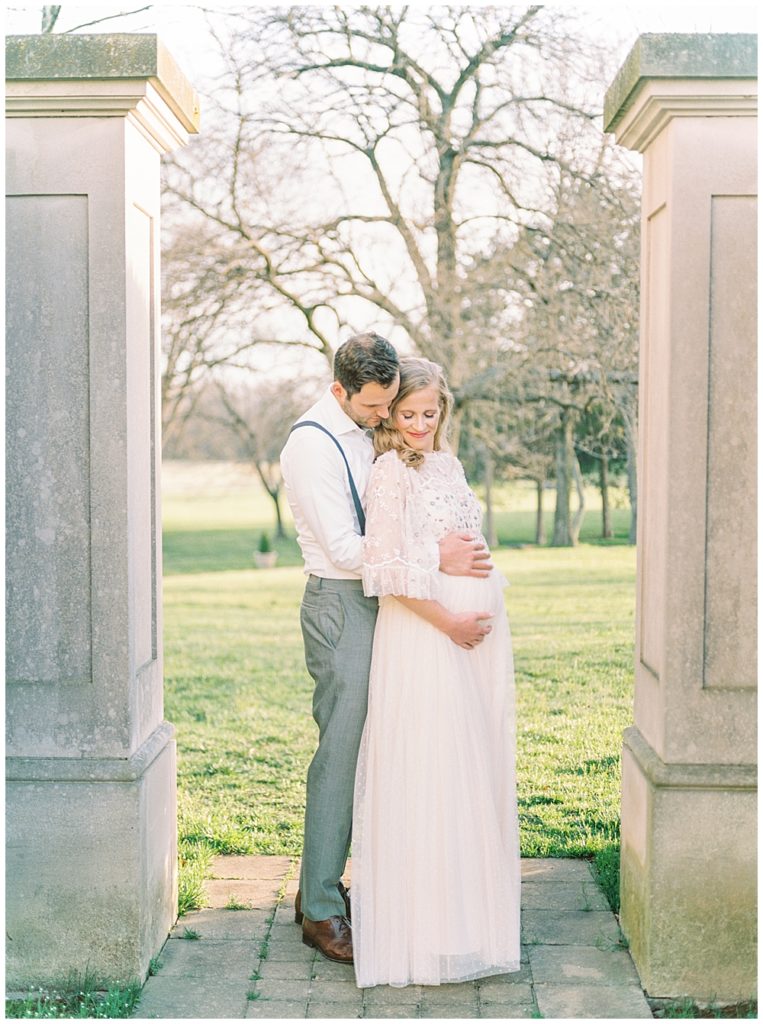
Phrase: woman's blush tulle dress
{"type": "Point", "coordinates": [435, 845]}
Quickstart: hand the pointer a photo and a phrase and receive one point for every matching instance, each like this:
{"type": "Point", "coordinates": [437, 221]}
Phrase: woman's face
{"type": "Point", "coordinates": [416, 417]}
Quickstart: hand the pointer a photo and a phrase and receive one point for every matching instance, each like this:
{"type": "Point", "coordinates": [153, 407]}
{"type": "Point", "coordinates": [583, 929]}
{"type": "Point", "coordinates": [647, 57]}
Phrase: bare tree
{"type": "Point", "coordinates": [602, 441]}
{"type": "Point", "coordinates": [378, 164]}
{"type": "Point", "coordinates": [505, 439]}
{"type": "Point", "coordinates": [576, 346]}
{"type": "Point", "coordinates": [245, 417]}
{"type": "Point", "coordinates": [365, 157]}
{"type": "Point", "coordinates": [216, 313]}
{"type": "Point", "coordinates": [262, 415]}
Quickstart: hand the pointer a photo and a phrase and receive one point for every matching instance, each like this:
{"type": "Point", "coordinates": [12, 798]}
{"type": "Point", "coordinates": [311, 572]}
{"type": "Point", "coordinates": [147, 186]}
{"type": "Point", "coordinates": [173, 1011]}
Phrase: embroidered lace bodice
{"type": "Point", "coordinates": [408, 511]}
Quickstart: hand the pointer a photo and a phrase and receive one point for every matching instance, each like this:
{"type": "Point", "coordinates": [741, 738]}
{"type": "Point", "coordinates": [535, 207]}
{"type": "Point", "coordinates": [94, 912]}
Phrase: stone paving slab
{"type": "Point", "coordinates": [336, 992]}
{"type": "Point", "coordinates": [219, 959]}
{"type": "Point", "coordinates": [222, 924]}
{"type": "Point", "coordinates": [507, 995]}
{"type": "Point", "coordinates": [556, 869]}
{"type": "Point", "coordinates": [463, 994]}
{"type": "Point", "coordinates": [327, 970]}
{"type": "Point", "coordinates": [254, 895]}
{"type": "Point", "coordinates": [584, 965]}
{"type": "Point", "coordinates": [287, 933]}
{"type": "Point", "coordinates": [284, 917]}
{"type": "Point", "coordinates": [592, 1001]}
{"type": "Point", "coordinates": [205, 997]}
{"type": "Point", "coordinates": [253, 963]}
{"type": "Point", "coordinates": [280, 988]}
{"type": "Point", "coordinates": [298, 970]}
{"type": "Point", "coordinates": [579, 895]}
{"type": "Point", "coordinates": [442, 1012]}
{"type": "Point", "coordinates": [337, 1011]}
{"type": "Point", "coordinates": [275, 1010]}
{"type": "Point", "coordinates": [504, 987]}
{"type": "Point", "coordinates": [385, 995]}
{"type": "Point", "coordinates": [398, 1013]}
{"type": "Point", "coordinates": [256, 869]}
{"type": "Point", "coordinates": [500, 981]}
{"type": "Point", "coordinates": [502, 1013]}
{"type": "Point", "coordinates": [291, 951]}
{"type": "Point", "coordinates": [571, 927]}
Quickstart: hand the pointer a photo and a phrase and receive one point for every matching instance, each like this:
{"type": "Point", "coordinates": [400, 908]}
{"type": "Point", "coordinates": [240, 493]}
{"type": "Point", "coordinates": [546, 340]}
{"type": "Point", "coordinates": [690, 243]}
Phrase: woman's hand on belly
{"type": "Point", "coordinates": [468, 629]}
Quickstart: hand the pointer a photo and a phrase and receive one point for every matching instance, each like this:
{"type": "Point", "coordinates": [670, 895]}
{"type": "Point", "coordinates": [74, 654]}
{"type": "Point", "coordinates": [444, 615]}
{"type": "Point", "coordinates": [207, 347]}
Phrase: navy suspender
{"type": "Point", "coordinates": [353, 489]}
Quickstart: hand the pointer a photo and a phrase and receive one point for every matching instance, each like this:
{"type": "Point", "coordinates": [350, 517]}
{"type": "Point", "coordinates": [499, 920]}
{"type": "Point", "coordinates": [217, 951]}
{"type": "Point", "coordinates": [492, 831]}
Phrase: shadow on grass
{"type": "Point", "coordinates": [592, 766]}
{"type": "Point", "coordinates": [539, 800]}
{"type": "Point", "coordinates": [231, 550]}
{"type": "Point", "coordinates": [606, 863]}
{"type": "Point", "coordinates": [192, 551]}
{"type": "Point", "coordinates": [518, 527]}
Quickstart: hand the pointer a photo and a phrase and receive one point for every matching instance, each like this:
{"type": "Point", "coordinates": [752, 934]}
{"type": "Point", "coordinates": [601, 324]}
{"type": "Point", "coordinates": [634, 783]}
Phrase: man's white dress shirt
{"type": "Point", "coordinates": [318, 490]}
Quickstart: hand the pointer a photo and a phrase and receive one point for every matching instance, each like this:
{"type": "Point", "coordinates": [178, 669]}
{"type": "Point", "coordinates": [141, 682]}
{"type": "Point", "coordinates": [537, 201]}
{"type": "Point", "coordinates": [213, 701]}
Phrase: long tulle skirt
{"type": "Point", "coordinates": [435, 848]}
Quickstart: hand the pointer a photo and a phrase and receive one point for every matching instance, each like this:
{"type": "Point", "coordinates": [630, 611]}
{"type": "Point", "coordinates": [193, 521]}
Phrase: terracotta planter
{"type": "Point", "coordinates": [265, 559]}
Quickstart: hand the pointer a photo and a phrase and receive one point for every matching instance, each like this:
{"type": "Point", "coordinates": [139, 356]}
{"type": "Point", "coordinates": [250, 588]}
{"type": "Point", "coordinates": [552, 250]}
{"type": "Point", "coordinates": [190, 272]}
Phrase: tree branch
{"type": "Point", "coordinates": [109, 17]}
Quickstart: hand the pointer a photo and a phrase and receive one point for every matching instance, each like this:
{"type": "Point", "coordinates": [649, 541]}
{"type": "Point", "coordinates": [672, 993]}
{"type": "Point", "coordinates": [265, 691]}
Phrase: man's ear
{"type": "Point", "coordinates": [338, 391]}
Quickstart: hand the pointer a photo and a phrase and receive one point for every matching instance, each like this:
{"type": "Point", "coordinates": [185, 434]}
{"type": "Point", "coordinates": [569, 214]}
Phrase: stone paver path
{"type": "Point", "coordinates": [252, 962]}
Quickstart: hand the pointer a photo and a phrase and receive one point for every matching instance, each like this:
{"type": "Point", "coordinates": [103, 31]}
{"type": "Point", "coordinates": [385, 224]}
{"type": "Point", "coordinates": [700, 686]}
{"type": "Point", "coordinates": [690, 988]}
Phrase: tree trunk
{"type": "Point", "coordinates": [577, 521]}
{"type": "Point", "coordinates": [606, 515]}
{"type": "Point", "coordinates": [491, 535]}
{"type": "Point", "coordinates": [562, 537]}
{"type": "Point", "coordinates": [540, 525]}
{"type": "Point", "coordinates": [280, 531]}
{"type": "Point", "coordinates": [454, 429]}
{"type": "Point", "coordinates": [274, 493]}
{"type": "Point", "coordinates": [49, 17]}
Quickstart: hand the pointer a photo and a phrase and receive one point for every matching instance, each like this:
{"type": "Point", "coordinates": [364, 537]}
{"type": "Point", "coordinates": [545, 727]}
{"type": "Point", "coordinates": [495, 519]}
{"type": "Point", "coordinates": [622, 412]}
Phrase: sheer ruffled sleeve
{"type": "Point", "coordinates": [400, 556]}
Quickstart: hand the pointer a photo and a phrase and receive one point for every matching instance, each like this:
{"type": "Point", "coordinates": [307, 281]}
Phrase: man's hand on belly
{"type": "Point", "coordinates": [462, 554]}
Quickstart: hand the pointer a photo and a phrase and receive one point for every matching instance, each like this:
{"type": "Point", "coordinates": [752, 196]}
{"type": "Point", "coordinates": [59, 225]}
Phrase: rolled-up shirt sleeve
{"type": "Point", "coordinates": [327, 509]}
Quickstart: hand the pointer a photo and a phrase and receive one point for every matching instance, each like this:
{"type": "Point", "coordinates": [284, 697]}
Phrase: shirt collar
{"type": "Point", "coordinates": [337, 418]}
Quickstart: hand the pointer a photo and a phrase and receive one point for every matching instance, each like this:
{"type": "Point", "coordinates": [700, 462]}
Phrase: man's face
{"type": "Point", "coordinates": [369, 406]}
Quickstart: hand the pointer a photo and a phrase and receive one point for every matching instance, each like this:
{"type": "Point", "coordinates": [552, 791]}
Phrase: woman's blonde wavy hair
{"type": "Point", "coordinates": [415, 375]}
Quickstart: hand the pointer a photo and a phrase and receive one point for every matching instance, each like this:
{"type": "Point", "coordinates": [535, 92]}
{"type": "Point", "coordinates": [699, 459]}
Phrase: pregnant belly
{"type": "Point", "coordinates": [470, 594]}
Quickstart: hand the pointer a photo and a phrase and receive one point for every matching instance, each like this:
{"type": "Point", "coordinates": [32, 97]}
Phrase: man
{"type": "Point", "coordinates": [326, 464]}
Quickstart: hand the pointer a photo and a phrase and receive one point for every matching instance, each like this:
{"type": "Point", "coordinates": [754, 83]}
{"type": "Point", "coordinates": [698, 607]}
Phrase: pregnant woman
{"type": "Point", "coordinates": [435, 848]}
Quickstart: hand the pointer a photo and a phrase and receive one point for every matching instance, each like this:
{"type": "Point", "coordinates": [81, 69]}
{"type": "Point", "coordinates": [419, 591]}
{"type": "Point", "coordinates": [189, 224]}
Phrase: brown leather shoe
{"type": "Point", "coordinates": [344, 893]}
{"type": "Point", "coordinates": [332, 938]}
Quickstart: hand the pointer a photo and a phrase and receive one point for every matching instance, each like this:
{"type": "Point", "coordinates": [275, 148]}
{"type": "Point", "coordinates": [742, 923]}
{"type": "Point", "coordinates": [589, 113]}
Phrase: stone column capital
{"type": "Point", "coordinates": [123, 75]}
{"type": "Point", "coordinates": [680, 75]}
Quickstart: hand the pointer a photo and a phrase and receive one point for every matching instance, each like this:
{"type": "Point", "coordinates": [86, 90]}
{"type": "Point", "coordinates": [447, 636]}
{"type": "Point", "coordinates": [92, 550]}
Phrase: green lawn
{"type": "Point", "coordinates": [214, 514]}
{"type": "Point", "coordinates": [238, 692]}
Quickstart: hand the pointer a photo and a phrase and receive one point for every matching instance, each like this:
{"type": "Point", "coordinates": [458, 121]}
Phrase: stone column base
{"type": "Point", "coordinates": [688, 875]}
{"type": "Point", "coordinates": [92, 852]}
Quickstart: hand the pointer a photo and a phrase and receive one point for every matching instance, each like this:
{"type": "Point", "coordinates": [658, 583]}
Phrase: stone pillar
{"type": "Point", "coordinates": [91, 830]}
{"type": "Point", "coordinates": [688, 862]}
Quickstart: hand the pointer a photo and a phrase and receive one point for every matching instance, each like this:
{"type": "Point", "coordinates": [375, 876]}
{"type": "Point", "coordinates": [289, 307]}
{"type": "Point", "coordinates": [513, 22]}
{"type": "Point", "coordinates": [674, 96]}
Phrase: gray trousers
{"type": "Point", "coordinates": [338, 630]}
